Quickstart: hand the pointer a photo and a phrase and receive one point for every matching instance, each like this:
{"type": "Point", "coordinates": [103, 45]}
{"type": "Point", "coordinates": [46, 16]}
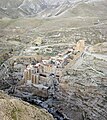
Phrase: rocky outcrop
{"type": "Point", "coordinates": [15, 109]}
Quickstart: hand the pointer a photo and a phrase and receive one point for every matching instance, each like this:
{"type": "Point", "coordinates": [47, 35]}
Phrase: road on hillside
{"type": "Point", "coordinates": [99, 56]}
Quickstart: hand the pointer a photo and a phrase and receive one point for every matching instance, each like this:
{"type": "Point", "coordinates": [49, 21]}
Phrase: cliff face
{"type": "Point", "coordinates": [14, 109]}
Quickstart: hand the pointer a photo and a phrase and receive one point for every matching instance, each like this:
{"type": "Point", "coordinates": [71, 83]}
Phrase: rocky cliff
{"type": "Point", "coordinates": [15, 109]}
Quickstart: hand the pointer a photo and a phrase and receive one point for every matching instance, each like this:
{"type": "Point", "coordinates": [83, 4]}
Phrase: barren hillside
{"type": "Point", "coordinates": [14, 109]}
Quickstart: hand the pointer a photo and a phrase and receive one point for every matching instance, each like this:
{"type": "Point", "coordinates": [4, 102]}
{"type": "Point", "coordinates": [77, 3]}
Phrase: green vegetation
{"type": "Point", "coordinates": [14, 113]}
{"type": "Point", "coordinates": [4, 56]}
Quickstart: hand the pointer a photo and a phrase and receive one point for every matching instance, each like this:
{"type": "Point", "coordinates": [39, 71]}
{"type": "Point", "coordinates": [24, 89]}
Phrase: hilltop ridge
{"type": "Point", "coordinates": [52, 9]}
